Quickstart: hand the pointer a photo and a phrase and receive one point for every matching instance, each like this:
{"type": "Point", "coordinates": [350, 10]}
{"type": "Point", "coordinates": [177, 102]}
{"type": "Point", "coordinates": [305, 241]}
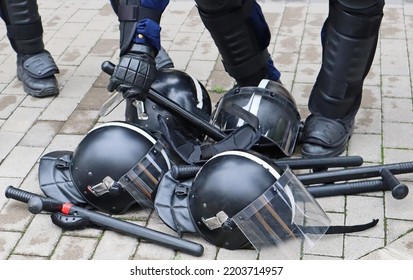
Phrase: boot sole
{"type": "Point", "coordinates": [41, 93]}
{"type": "Point", "coordinates": [46, 92]}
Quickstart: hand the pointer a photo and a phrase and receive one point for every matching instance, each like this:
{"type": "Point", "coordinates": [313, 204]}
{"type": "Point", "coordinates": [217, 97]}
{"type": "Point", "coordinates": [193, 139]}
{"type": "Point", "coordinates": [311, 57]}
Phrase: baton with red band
{"type": "Point", "coordinates": [37, 203]}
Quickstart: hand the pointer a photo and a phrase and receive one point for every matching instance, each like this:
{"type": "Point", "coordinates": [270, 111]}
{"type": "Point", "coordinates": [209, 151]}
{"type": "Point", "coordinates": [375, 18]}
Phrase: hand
{"type": "Point", "coordinates": [135, 73]}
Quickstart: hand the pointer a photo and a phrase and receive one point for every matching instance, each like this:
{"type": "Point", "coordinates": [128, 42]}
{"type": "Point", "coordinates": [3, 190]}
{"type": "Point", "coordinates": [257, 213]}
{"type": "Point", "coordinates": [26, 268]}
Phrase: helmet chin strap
{"type": "Point", "coordinates": [192, 152]}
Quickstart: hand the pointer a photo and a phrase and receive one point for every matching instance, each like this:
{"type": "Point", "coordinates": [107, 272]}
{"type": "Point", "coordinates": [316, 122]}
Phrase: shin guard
{"type": "Point", "coordinates": [244, 53]}
{"type": "Point", "coordinates": [349, 44]}
{"type": "Point", "coordinates": [130, 13]}
{"type": "Point", "coordinates": [24, 26]}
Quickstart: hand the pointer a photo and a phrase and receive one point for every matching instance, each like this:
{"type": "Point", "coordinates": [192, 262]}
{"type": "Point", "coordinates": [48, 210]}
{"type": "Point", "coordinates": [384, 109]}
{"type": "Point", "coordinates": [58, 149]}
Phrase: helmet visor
{"type": "Point", "coordinates": [142, 180]}
{"type": "Point", "coordinates": [283, 219]}
{"type": "Point", "coordinates": [279, 120]}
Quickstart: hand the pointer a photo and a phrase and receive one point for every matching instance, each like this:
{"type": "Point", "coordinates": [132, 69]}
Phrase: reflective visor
{"type": "Point", "coordinates": [283, 219]}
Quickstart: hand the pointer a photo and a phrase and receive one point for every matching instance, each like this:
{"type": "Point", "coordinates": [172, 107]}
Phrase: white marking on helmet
{"type": "Point", "coordinates": [263, 83]}
{"type": "Point", "coordinates": [142, 132]}
{"type": "Point", "coordinates": [270, 169]}
{"type": "Point", "coordinates": [199, 92]}
{"type": "Point", "coordinates": [253, 158]}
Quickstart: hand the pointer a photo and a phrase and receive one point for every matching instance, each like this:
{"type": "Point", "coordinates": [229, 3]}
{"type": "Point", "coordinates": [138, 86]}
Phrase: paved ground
{"type": "Point", "coordinates": [81, 34]}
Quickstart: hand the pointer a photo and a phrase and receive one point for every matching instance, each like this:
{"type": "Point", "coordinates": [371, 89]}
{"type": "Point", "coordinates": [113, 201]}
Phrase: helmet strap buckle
{"type": "Point", "coordinates": [103, 187]}
{"type": "Point", "coordinates": [140, 108]}
{"type": "Point", "coordinates": [182, 190]}
{"type": "Point", "coordinates": [62, 163]}
{"type": "Point", "coordinates": [217, 221]}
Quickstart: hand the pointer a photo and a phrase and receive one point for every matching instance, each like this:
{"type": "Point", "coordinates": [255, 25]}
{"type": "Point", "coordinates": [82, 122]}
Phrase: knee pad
{"type": "Point", "coordinates": [242, 45]}
{"type": "Point", "coordinates": [24, 26]}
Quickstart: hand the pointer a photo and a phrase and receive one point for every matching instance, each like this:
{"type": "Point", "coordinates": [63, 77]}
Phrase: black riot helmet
{"type": "Point", "coordinates": [276, 110]}
{"type": "Point", "coordinates": [241, 199]}
{"type": "Point", "coordinates": [117, 165]}
{"type": "Point", "coordinates": [179, 87]}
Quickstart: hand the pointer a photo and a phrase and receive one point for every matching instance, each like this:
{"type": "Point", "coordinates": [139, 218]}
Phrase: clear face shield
{"type": "Point", "coordinates": [283, 220]}
{"type": "Point", "coordinates": [142, 180]}
{"type": "Point", "coordinates": [279, 121]}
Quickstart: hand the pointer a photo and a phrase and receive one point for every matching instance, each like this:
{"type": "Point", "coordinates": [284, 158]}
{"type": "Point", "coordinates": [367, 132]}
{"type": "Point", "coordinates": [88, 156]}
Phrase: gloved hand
{"type": "Point", "coordinates": [134, 74]}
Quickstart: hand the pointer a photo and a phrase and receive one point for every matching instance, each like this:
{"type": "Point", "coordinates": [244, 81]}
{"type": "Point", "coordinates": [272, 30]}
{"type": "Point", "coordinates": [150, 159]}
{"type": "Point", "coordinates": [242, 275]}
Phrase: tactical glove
{"type": "Point", "coordinates": [134, 74]}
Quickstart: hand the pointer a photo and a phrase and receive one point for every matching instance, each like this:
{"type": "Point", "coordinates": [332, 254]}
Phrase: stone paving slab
{"type": "Point", "coordinates": [81, 34]}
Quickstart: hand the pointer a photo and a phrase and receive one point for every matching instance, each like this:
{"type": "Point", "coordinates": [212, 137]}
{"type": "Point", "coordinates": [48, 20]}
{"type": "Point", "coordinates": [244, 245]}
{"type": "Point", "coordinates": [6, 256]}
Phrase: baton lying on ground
{"type": "Point", "coordinates": [185, 171]}
{"type": "Point", "coordinates": [324, 184]}
{"type": "Point", "coordinates": [37, 203]}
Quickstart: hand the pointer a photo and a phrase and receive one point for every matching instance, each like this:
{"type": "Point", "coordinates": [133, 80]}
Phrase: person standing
{"type": "Point", "coordinates": [241, 34]}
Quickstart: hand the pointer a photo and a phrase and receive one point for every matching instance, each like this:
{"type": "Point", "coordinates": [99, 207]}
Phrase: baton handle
{"type": "Point", "coordinates": [47, 204]}
{"type": "Point", "coordinates": [184, 171]}
{"type": "Point", "coordinates": [19, 195]}
{"type": "Point", "coordinates": [398, 190]}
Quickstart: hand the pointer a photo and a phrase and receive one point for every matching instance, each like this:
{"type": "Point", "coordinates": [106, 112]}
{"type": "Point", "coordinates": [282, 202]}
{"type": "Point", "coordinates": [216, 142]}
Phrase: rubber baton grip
{"type": "Point", "coordinates": [108, 67]}
{"type": "Point", "coordinates": [184, 171]}
{"type": "Point", "coordinates": [36, 203]}
{"type": "Point", "coordinates": [19, 195]}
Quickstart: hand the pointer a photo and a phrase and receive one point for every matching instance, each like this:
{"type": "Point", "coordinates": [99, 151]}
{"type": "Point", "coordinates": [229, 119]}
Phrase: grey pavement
{"type": "Point", "coordinates": [81, 34]}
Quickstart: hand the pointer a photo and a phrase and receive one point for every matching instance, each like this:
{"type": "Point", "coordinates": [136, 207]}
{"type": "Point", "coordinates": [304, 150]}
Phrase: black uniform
{"type": "Point", "coordinates": [239, 30]}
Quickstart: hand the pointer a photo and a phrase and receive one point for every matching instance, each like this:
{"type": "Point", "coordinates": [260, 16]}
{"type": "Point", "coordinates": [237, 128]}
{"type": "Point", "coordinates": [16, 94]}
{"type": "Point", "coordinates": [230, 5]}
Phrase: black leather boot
{"type": "Point", "coordinates": [349, 40]}
{"type": "Point", "coordinates": [36, 72]}
{"type": "Point", "coordinates": [323, 137]}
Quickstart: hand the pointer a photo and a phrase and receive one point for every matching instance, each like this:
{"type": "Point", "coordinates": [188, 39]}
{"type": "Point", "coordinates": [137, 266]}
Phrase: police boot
{"type": "Point", "coordinates": [36, 72]}
{"type": "Point", "coordinates": [350, 36]}
{"type": "Point", "coordinates": [325, 137]}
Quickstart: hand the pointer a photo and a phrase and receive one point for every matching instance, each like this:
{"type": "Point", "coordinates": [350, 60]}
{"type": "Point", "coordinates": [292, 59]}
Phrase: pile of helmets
{"type": "Point", "coordinates": [235, 199]}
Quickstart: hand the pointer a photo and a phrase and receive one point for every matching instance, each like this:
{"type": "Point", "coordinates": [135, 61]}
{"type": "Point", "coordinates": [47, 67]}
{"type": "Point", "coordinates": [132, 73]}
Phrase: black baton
{"type": "Point", "coordinates": [38, 203]}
